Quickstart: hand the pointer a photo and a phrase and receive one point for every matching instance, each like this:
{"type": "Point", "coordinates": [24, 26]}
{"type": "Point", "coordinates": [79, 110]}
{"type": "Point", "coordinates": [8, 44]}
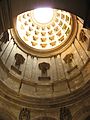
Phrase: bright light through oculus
{"type": "Point", "coordinates": [44, 28]}
{"type": "Point", "coordinates": [43, 15]}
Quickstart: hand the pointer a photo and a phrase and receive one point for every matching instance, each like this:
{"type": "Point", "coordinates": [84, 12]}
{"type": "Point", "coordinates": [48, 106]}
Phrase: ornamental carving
{"type": "Point", "coordinates": [19, 59]}
{"type": "Point", "coordinates": [4, 39]}
{"type": "Point", "coordinates": [68, 58]}
{"type": "Point", "coordinates": [65, 114]}
{"type": "Point", "coordinates": [82, 36]}
{"type": "Point", "coordinates": [24, 114]}
{"type": "Point", "coordinates": [44, 67]}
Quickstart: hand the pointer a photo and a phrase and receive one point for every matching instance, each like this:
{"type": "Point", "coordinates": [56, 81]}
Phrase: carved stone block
{"type": "Point", "coordinates": [4, 39]}
{"type": "Point", "coordinates": [68, 58]}
{"type": "Point", "coordinates": [24, 114]}
{"type": "Point", "coordinates": [44, 67]}
{"type": "Point", "coordinates": [19, 59]}
{"type": "Point", "coordinates": [82, 36]}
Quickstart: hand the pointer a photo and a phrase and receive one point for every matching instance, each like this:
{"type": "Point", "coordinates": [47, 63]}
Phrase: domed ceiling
{"type": "Point", "coordinates": [44, 56]}
{"type": "Point", "coordinates": [44, 60]}
{"type": "Point", "coordinates": [44, 30]}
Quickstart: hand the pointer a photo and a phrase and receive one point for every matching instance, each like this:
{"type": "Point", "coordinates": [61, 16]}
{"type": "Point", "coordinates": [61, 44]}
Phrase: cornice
{"type": "Point", "coordinates": [44, 103]}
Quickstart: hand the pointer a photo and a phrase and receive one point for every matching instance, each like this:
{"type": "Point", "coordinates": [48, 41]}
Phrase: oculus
{"type": "Point", "coordinates": [43, 15]}
{"type": "Point", "coordinates": [44, 28]}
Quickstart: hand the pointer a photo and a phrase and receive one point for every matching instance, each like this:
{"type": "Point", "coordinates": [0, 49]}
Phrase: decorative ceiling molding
{"type": "Point", "coordinates": [13, 98]}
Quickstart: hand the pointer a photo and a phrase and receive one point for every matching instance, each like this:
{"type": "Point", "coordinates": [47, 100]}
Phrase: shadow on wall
{"type": "Point", "coordinates": [88, 118]}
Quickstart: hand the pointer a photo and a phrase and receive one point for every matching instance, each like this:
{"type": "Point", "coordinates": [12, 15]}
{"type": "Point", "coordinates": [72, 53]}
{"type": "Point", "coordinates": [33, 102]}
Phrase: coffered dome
{"type": "Point", "coordinates": [41, 36]}
{"type": "Point", "coordinates": [44, 35]}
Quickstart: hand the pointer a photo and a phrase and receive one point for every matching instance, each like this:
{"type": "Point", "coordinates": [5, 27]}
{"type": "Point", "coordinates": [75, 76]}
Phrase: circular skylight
{"type": "Point", "coordinates": [44, 28]}
{"type": "Point", "coordinates": [43, 15]}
